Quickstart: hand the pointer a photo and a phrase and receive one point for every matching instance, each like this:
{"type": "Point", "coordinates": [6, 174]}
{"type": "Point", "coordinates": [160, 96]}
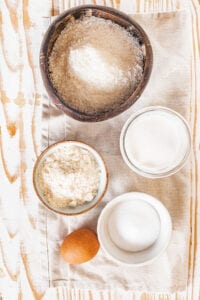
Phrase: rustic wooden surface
{"type": "Point", "coordinates": [21, 27]}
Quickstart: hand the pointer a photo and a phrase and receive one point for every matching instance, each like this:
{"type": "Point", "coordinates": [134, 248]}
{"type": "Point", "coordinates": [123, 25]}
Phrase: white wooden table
{"type": "Point", "coordinates": [21, 27]}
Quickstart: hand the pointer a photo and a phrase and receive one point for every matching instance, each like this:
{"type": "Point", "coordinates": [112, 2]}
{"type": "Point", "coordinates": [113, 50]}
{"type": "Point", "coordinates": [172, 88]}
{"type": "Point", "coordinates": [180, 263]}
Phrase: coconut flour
{"type": "Point", "coordinates": [95, 64]}
{"type": "Point", "coordinates": [69, 176]}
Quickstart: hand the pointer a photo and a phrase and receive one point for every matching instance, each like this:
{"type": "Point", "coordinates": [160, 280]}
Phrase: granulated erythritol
{"type": "Point", "coordinates": [134, 225]}
{"type": "Point", "coordinates": [156, 141]}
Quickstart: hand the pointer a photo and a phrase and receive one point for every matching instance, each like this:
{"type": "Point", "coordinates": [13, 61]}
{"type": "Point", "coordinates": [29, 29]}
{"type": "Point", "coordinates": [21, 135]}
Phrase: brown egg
{"type": "Point", "coordinates": [79, 246]}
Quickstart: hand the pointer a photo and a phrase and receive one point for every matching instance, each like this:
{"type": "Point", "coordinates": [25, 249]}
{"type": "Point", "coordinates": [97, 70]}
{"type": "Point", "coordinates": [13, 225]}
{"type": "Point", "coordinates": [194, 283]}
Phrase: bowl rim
{"type": "Point", "coordinates": [140, 171]}
{"type": "Point", "coordinates": [120, 198]}
{"type": "Point", "coordinates": [53, 94]}
{"type": "Point", "coordinates": [36, 165]}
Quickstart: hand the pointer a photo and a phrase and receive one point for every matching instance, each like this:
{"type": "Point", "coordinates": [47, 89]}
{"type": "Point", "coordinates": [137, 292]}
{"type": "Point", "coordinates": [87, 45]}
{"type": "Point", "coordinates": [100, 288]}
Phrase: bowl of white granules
{"type": "Point", "coordinates": [70, 177]}
{"type": "Point", "coordinates": [155, 142]}
{"type": "Point", "coordinates": [95, 62]}
{"type": "Point", "coordinates": [134, 229]}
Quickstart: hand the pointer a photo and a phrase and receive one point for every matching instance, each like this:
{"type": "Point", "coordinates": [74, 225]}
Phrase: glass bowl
{"type": "Point", "coordinates": [144, 165]}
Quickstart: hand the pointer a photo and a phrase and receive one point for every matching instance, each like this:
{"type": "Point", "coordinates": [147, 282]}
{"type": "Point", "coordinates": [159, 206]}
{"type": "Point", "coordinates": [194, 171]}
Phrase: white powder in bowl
{"type": "Point", "coordinates": [134, 225]}
{"type": "Point", "coordinates": [89, 65]}
{"type": "Point", "coordinates": [69, 176]}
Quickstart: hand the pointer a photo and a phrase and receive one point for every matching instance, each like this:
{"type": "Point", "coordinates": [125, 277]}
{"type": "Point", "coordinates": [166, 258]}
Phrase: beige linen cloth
{"type": "Point", "coordinates": [169, 85]}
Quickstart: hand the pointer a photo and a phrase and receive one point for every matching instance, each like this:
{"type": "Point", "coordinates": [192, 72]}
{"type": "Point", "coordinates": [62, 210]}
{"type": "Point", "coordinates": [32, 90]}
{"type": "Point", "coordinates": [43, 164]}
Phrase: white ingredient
{"type": "Point", "coordinates": [90, 65]}
{"type": "Point", "coordinates": [134, 225]}
{"type": "Point", "coordinates": [69, 176]}
{"type": "Point", "coordinates": [156, 141]}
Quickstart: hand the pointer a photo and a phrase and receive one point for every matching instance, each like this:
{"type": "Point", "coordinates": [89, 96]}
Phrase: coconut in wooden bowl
{"type": "Point", "coordinates": [95, 62]}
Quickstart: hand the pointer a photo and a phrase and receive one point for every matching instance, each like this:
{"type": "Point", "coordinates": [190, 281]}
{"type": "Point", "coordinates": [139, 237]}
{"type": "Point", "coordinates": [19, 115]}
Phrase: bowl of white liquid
{"type": "Point", "coordinates": [134, 228]}
{"type": "Point", "coordinates": [155, 142]}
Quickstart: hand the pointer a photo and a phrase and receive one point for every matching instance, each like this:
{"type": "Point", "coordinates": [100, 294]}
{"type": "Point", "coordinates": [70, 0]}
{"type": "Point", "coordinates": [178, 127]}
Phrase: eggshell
{"type": "Point", "coordinates": [79, 246]}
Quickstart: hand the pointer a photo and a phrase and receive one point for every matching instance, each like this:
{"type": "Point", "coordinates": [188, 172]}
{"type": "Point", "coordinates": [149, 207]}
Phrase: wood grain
{"type": "Point", "coordinates": [21, 27]}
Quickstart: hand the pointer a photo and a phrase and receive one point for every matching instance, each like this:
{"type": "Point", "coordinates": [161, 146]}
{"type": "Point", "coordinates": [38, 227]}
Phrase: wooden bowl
{"type": "Point", "coordinates": [106, 13]}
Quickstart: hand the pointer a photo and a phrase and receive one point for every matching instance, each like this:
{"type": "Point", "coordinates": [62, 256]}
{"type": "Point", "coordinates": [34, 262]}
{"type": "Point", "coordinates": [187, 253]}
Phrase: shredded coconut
{"type": "Point", "coordinates": [69, 176]}
{"type": "Point", "coordinates": [95, 64]}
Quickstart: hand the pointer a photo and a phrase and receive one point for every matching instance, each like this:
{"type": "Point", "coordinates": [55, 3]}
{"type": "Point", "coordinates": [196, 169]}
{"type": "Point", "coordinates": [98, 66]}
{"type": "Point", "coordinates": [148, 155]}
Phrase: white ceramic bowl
{"type": "Point", "coordinates": [70, 211]}
{"type": "Point", "coordinates": [129, 257]}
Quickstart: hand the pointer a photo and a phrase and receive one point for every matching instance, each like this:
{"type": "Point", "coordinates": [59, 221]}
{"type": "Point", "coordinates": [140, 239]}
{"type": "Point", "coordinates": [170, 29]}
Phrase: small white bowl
{"type": "Point", "coordinates": [71, 211]}
{"type": "Point", "coordinates": [149, 253]}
